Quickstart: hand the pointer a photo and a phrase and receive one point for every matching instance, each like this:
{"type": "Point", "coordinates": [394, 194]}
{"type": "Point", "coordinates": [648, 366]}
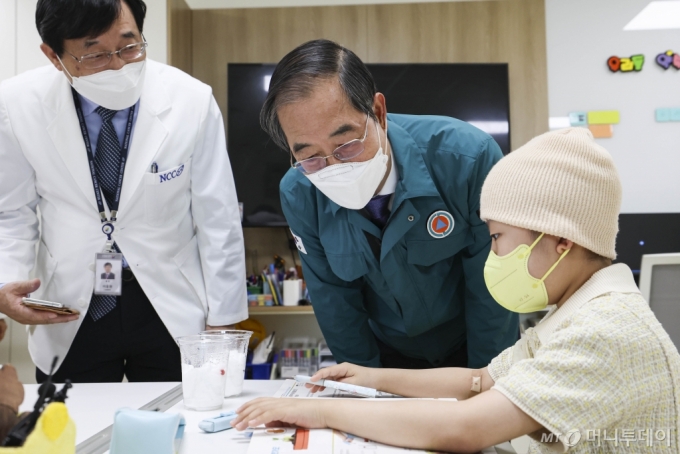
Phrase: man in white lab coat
{"type": "Point", "coordinates": [125, 159]}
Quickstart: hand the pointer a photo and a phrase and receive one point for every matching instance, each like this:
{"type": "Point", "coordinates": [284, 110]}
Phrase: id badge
{"type": "Point", "coordinates": [108, 275]}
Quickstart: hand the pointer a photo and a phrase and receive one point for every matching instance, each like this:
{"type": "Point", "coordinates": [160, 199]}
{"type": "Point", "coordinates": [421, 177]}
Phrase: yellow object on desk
{"type": "Point", "coordinates": [54, 433]}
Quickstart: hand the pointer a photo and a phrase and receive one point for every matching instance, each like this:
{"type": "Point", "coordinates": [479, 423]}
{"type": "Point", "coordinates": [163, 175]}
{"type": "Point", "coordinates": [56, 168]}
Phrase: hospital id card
{"type": "Point", "coordinates": [108, 274]}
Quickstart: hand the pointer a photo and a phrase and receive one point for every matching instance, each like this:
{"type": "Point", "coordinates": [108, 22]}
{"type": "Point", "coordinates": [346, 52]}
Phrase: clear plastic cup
{"type": "Point", "coordinates": [237, 358]}
{"type": "Point", "coordinates": [205, 361]}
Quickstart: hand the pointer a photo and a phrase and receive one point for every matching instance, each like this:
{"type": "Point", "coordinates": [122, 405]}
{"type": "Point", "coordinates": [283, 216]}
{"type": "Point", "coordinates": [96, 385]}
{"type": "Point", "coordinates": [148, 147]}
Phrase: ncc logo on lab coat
{"type": "Point", "coordinates": [440, 224]}
{"type": "Point", "coordinates": [172, 174]}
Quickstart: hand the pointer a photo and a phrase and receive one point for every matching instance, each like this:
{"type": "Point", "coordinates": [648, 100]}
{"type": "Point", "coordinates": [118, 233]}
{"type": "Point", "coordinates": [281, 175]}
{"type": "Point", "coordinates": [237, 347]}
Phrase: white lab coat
{"type": "Point", "coordinates": [182, 237]}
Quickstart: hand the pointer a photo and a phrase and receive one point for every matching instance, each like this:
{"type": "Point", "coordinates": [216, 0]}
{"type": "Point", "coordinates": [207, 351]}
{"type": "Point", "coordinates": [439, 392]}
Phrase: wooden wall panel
{"type": "Point", "coordinates": [508, 31]}
{"type": "Point", "coordinates": [180, 35]}
{"type": "Point", "coordinates": [265, 36]}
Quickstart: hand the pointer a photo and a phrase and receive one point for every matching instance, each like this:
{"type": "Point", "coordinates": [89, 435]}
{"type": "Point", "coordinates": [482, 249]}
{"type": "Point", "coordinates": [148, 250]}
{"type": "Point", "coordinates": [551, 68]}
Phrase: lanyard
{"type": "Point", "coordinates": [107, 226]}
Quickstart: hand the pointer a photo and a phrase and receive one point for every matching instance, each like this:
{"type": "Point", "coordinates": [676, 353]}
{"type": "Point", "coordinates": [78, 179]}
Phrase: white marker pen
{"type": "Point", "coordinates": [361, 391]}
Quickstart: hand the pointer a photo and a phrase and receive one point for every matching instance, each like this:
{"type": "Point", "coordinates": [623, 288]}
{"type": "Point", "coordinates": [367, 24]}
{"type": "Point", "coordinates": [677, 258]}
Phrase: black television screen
{"type": "Point", "coordinates": [477, 93]}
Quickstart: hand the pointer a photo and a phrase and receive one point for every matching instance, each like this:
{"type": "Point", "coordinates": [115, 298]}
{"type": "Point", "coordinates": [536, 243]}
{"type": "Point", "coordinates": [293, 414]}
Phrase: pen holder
{"type": "Point", "coordinates": [142, 432]}
{"type": "Point", "coordinates": [54, 433]}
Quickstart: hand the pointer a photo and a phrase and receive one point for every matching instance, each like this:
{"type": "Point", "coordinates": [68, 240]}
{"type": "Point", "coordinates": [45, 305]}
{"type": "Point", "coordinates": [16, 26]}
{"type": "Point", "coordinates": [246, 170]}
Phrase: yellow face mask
{"type": "Point", "coordinates": [510, 283]}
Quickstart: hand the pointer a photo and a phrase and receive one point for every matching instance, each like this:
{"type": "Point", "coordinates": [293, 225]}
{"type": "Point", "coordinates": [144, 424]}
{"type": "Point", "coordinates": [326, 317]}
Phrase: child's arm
{"type": "Point", "coordinates": [446, 382]}
{"type": "Point", "coordinates": [466, 426]}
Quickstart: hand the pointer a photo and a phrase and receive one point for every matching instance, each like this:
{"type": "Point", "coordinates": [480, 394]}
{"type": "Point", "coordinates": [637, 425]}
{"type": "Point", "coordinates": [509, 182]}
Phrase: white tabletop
{"type": "Point", "coordinates": [231, 441]}
{"type": "Point", "coordinates": [93, 405]}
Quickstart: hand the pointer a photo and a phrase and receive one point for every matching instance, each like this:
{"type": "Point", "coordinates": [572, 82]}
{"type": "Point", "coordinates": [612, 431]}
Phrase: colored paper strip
{"type": "Point", "coordinates": [603, 117]}
{"type": "Point", "coordinates": [602, 131]}
{"type": "Point", "coordinates": [663, 115]}
{"type": "Point", "coordinates": [578, 118]}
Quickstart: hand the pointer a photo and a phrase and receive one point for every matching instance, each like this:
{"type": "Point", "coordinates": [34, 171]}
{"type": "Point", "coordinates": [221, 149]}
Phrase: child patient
{"type": "Point", "coordinates": [597, 374]}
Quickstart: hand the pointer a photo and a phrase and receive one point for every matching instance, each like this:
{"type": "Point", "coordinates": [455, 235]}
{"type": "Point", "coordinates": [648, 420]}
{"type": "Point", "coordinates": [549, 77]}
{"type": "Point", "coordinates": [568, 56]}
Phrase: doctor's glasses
{"type": "Point", "coordinates": [345, 152]}
{"type": "Point", "coordinates": [97, 60]}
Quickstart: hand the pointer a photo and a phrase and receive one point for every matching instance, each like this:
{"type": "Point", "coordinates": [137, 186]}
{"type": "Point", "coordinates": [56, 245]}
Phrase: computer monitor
{"type": "Point", "coordinates": [660, 286]}
{"type": "Point", "coordinates": [476, 93]}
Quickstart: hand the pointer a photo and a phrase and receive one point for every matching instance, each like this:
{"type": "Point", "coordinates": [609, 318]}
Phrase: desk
{"type": "Point", "coordinates": [92, 406]}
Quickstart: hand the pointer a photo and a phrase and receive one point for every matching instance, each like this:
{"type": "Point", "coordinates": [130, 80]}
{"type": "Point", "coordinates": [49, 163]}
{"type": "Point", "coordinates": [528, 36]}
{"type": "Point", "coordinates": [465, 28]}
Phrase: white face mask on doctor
{"type": "Point", "coordinates": [112, 89]}
{"type": "Point", "coordinates": [351, 185]}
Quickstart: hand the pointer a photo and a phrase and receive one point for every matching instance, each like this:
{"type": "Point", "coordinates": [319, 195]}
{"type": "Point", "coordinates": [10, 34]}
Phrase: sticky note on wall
{"type": "Point", "coordinates": [603, 117]}
{"type": "Point", "coordinates": [578, 118]}
{"type": "Point", "coordinates": [675, 114]}
{"type": "Point", "coordinates": [663, 115]}
{"type": "Point", "coordinates": [602, 131]}
{"type": "Point", "coordinates": [667, 114]}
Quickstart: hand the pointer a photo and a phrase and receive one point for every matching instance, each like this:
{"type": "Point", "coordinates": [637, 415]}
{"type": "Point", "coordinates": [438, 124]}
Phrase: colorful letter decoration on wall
{"type": "Point", "coordinates": [668, 59]}
{"type": "Point", "coordinates": [625, 64]}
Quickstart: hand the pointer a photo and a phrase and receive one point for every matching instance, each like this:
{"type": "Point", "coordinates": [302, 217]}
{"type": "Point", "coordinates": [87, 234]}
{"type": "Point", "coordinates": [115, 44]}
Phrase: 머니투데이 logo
{"type": "Point", "coordinates": [440, 224]}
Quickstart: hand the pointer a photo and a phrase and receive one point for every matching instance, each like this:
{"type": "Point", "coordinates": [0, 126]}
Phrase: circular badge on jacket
{"type": "Point", "coordinates": [440, 224]}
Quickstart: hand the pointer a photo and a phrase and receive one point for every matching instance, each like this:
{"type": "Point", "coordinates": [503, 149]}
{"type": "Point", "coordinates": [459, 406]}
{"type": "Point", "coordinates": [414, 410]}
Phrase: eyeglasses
{"type": "Point", "coordinates": [100, 59]}
{"type": "Point", "coordinates": [345, 152]}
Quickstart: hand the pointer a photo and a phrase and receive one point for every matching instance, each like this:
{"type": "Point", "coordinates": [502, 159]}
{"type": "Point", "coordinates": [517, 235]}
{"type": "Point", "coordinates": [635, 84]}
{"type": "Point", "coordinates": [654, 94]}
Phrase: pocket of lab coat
{"type": "Point", "coordinates": [44, 268]}
{"type": "Point", "coordinates": [166, 193]}
{"type": "Point", "coordinates": [188, 261]}
{"type": "Point", "coordinates": [348, 267]}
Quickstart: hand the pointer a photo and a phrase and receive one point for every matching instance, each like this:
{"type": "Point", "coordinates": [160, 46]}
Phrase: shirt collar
{"type": "Point", "coordinates": [391, 183]}
{"type": "Point", "coordinates": [615, 278]}
{"type": "Point", "coordinates": [87, 105]}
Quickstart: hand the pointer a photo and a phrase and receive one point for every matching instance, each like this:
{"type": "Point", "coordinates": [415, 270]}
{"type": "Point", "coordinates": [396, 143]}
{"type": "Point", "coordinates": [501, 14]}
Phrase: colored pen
{"type": "Point", "coordinates": [218, 423]}
{"type": "Point", "coordinates": [356, 390]}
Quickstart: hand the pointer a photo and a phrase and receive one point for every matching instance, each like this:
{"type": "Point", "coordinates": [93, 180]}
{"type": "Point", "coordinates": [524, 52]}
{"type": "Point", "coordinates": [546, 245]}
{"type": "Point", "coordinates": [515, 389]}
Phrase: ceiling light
{"type": "Point", "coordinates": [658, 15]}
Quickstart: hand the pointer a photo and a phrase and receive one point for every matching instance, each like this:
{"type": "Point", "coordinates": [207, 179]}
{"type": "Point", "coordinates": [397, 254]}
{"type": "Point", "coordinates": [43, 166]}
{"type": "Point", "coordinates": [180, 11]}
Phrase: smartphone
{"type": "Point", "coordinates": [48, 306]}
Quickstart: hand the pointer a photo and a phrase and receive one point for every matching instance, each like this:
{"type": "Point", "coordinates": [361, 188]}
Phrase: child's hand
{"type": "Point", "coordinates": [346, 373]}
{"type": "Point", "coordinates": [281, 412]}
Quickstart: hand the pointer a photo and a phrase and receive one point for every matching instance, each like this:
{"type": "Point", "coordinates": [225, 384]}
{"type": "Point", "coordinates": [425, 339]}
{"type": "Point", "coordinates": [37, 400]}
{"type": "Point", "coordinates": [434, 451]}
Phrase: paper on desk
{"type": "Point", "coordinates": [317, 441]}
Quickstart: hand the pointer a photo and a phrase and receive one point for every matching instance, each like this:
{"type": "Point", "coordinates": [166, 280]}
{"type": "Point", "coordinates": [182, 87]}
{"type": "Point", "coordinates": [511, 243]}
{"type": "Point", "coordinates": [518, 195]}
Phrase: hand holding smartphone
{"type": "Point", "coordinates": [49, 306]}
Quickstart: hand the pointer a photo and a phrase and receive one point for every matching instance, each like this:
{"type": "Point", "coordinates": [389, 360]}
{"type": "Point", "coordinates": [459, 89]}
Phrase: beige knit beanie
{"type": "Point", "coordinates": [561, 183]}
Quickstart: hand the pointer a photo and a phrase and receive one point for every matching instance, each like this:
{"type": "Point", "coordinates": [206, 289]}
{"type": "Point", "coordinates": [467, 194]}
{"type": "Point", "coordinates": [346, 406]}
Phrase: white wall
{"type": "Point", "coordinates": [19, 41]}
{"type": "Point", "coordinates": [581, 36]}
{"type": "Point", "coordinates": [17, 28]}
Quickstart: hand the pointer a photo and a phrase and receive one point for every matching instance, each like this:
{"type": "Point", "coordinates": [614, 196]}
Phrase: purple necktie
{"type": "Point", "coordinates": [378, 209]}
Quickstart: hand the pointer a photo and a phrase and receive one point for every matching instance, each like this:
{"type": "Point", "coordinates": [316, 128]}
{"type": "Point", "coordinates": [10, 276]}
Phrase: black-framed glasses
{"type": "Point", "coordinates": [97, 60]}
{"type": "Point", "coordinates": [344, 152]}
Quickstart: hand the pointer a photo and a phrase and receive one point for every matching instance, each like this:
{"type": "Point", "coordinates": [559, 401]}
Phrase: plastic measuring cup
{"type": "Point", "coordinates": [237, 358]}
{"type": "Point", "coordinates": [205, 361]}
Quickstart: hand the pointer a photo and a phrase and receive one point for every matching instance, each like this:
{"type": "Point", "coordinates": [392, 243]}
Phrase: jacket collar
{"type": "Point", "coordinates": [147, 139]}
{"type": "Point", "coordinates": [156, 100]}
{"type": "Point", "coordinates": [414, 177]}
{"type": "Point", "coordinates": [615, 278]}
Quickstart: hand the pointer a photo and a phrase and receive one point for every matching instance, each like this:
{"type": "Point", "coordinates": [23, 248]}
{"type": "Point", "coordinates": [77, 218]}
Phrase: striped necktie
{"type": "Point", "coordinates": [107, 164]}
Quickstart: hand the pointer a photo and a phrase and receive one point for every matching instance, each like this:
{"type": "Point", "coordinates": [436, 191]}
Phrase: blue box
{"type": "Point", "coordinates": [259, 371]}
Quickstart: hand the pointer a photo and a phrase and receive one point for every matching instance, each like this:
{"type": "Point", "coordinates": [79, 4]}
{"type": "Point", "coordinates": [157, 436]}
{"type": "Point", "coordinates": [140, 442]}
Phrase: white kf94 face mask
{"type": "Point", "coordinates": [352, 184]}
{"type": "Point", "coordinates": [112, 89]}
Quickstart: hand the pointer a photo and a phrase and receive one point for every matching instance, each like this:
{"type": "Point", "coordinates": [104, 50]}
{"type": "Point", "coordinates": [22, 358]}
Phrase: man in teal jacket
{"type": "Point", "coordinates": [384, 210]}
